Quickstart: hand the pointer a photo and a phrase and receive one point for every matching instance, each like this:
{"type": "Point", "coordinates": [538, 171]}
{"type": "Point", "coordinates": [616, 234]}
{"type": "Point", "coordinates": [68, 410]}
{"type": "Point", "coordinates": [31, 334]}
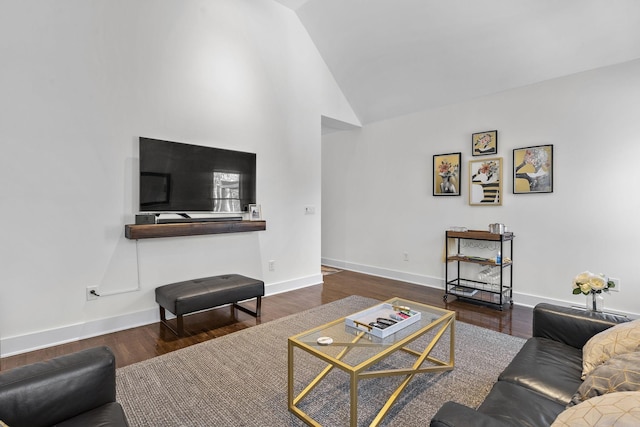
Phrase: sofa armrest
{"type": "Point", "coordinates": [46, 393]}
{"type": "Point", "coordinates": [453, 414]}
{"type": "Point", "coordinates": [571, 326]}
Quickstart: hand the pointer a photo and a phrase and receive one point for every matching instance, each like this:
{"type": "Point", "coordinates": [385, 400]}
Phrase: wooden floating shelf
{"type": "Point", "coordinates": [149, 231]}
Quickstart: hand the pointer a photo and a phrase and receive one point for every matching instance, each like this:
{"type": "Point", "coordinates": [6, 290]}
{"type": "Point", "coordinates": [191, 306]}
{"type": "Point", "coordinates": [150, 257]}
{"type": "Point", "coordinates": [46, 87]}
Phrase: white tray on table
{"type": "Point", "coordinates": [361, 320]}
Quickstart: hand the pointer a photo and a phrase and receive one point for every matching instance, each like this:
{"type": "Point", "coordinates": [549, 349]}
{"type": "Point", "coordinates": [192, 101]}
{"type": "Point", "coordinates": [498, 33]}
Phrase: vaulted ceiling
{"type": "Point", "coordinates": [396, 57]}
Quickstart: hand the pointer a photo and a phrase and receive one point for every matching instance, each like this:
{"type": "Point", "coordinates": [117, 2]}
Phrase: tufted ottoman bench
{"type": "Point", "coordinates": [200, 294]}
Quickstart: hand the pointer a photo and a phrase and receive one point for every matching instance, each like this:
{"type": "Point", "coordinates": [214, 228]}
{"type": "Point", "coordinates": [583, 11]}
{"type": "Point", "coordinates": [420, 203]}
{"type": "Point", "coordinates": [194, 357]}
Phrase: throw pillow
{"type": "Point", "coordinates": [3, 424]}
{"type": "Point", "coordinates": [620, 373]}
{"type": "Point", "coordinates": [619, 339]}
{"type": "Point", "coordinates": [611, 410]}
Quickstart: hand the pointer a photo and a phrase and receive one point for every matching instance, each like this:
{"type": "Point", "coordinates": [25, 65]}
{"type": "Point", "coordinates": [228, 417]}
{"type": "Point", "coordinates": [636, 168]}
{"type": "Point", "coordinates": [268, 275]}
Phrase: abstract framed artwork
{"type": "Point", "coordinates": [484, 143]}
{"type": "Point", "coordinates": [485, 182]}
{"type": "Point", "coordinates": [533, 169]}
{"type": "Point", "coordinates": [446, 174]}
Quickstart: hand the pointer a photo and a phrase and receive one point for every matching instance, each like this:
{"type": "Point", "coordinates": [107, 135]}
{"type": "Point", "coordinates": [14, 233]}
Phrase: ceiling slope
{"type": "Point", "coordinates": [393, 58]}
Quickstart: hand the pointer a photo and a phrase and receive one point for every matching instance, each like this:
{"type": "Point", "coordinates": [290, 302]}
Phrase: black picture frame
{"type": "Point", "coordinates": [447, 169]}
{"type": "Point", "coordinates": [533, 169]}
{"type": "Point", "coordinates": [484, 143]}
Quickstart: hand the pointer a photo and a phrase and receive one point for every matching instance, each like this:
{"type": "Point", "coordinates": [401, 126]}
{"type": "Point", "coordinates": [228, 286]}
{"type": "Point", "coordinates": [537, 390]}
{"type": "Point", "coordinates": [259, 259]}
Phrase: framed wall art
{"type": "Point", "coordinates": [255, 213]}
{"type": "Point", "coordinates": [533, 169]}
{"type": "Point", "coordinates": [485, 182]}
{"type": "Point", "coordinates": [484, 143]}
{"type": "Point", "coordinates": [446, 174]}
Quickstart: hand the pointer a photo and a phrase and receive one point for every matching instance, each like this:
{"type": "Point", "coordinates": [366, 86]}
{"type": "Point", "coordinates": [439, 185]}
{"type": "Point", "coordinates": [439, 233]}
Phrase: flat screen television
{"type": "Point", "coordinates": [184, 178]}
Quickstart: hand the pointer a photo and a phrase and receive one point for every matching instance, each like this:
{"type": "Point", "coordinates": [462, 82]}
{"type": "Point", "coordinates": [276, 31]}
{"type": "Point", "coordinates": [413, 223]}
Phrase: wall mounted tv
{"type": "Point", "coordinates": [183, 178]}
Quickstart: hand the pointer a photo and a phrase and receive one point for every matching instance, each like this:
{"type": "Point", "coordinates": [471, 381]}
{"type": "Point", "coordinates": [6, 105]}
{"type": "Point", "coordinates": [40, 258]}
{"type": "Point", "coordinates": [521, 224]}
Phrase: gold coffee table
{"type": "Point", "coordinates": [354, 351]}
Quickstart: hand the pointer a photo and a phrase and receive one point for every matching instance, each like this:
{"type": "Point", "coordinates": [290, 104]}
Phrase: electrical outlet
{"type": "Point", "coordinates": [405, 256]}
{"type": "Point", "coordinates": [92, 293]}
{"type": "Point", "coordinates": [616, 288]}
{"type": "Point", "coordinates": [272, 265]}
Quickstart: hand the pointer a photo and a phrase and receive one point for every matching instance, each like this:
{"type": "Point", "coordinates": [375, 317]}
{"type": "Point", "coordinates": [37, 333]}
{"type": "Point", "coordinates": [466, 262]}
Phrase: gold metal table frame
{"type": "Point", "coordinates": [432, 319]}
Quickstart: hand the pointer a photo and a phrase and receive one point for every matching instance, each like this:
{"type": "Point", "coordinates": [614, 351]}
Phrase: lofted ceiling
{"type": "Point", "coordinates": [396, 57]}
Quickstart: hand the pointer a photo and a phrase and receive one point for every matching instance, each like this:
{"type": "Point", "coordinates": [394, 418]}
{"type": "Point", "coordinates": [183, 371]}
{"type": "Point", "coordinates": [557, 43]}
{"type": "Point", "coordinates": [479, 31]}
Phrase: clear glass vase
{"type": "Point", "coordinates": [595, 301]}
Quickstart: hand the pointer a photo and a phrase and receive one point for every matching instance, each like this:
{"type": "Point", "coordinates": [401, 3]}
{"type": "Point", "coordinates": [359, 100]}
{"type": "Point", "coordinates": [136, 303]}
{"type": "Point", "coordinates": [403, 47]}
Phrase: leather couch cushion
{"type": "Point", "coordinates": [620, 339]}
{"type": "Point", "coordinates": [46, 393]}
{"type": "Point", "coordinates": [108, 415]}
{"type": "Point", "coordinates": [611, 410]}
{"type": "Point", "coordinates": [620, 373]}
{"type": "Point", "coordinates": [547, 367]}
{"type": "Point", "coordinates": [517, 406]}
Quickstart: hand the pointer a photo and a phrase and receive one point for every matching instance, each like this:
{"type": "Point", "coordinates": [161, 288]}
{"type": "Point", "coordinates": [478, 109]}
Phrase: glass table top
{"type": "Point", "coordinates": [363, 346]}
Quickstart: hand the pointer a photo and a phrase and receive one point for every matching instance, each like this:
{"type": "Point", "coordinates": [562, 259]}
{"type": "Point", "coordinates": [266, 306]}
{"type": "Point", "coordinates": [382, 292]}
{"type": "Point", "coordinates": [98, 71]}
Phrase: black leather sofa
{"type": "Point", "coordinates": [77, 389]}
{"type": "Point", "coordinates": [540, 381]}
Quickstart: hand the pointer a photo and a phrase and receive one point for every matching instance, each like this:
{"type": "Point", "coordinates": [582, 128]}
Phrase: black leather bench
{"type": "Point", "coordinates": [200, 294]}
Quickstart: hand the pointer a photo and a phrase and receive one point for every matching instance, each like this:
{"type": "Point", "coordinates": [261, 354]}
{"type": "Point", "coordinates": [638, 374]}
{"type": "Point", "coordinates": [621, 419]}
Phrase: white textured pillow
{"type": "Point", "coordinates": [610, 410]}
{"type": "Point", "coordinates": [619, 339]}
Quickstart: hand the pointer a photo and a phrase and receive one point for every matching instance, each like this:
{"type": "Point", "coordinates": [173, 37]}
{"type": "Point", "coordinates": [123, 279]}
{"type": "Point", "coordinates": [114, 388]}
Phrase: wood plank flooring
{"type": "Point", "coordinates": [144, 342]}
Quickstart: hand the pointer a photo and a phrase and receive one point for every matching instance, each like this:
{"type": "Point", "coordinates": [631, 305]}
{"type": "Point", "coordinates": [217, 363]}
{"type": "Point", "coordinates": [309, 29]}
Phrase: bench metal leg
{"type": "Point", "coordinates": [249, 311]}
{"type": "Point", "coordinates": [180, 325]}
{"type": "Point", "coordinates": [179, 330]}
{"type": "Point", "coordinates": [163, 319]}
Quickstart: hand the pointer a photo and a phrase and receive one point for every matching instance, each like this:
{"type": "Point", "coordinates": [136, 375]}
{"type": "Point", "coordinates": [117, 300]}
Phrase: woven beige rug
{"type": "Point", "coordinates": [241, 379]}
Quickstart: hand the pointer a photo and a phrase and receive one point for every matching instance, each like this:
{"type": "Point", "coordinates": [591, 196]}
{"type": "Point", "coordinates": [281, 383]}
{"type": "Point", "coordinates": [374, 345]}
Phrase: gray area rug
{"type": "Point", "coordinates": [241, 379]}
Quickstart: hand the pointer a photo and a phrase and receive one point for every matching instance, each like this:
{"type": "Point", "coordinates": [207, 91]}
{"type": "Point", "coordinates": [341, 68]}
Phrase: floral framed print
{"type": "Point", "coordinates": [446, 174]}
{"type": "Point", "coordinates": [533, 169]}
{"type": "Point", "coordinates": [485, 182]}
{"type": "Point", "coordinates": [484, 143]}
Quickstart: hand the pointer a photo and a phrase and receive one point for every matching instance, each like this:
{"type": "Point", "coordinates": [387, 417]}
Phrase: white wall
{"type": "Point", "coordinates": [81, 81]}
{"type": "Point", "coordinates": [377, 187]}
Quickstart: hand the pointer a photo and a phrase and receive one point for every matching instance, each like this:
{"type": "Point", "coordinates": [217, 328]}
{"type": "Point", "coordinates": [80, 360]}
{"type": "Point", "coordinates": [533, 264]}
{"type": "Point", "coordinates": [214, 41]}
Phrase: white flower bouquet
{"type": "Point", "coordinates": [590, 283]}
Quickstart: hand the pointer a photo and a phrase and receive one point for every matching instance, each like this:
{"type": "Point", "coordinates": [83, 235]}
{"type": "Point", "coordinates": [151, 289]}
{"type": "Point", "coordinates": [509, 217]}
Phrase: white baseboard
{"type": "Point", "coordinates": [526, 300]}
{"type": "Point", "coordinates": [290, 285]}
{"type": "Point", "coordinates": [430, 281]}
{"type": "Point", "coordinates": [47, 338]}
{"type": "Point", "coordinates": [418, 279]}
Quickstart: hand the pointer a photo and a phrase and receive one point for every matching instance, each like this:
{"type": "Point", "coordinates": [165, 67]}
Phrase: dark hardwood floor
{"type": "Point", "coordinates": [144, 342]}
